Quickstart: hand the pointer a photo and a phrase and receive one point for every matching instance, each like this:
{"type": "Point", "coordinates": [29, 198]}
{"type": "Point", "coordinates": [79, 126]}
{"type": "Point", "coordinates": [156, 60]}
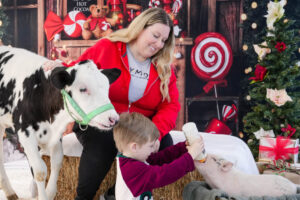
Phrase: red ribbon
{"type": "Point", "coordinates": [210, 85]}
{"type": "Point", "coordinates": [278, 148]}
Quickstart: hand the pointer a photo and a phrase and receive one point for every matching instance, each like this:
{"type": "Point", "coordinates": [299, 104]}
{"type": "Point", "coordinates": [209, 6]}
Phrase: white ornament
{"type": "Point", "coordinates": [176, 30]}
{"type": "Point", "coordinates": [262, 133]}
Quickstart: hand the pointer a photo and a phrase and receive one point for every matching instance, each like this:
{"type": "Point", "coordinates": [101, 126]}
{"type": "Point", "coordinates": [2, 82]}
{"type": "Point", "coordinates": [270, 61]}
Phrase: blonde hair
{"type": "Point", "coordinates": [134, 127]}
{"type": "Point", "coordinates": [163, 58]}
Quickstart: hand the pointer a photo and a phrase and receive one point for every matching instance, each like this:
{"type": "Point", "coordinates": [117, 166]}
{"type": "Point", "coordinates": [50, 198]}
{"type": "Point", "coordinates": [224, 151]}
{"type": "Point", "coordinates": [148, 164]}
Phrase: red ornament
{"type": "Point", "coordinates": [229, 112]}
{"type": "Point", "coordinates": [280, 46]}
{"type": "Point", "coordinates": [260, 73]}
{"type": "Point", "coordinates": [72, 24]}
{"type": "Point", "coordinates": [216, 126]}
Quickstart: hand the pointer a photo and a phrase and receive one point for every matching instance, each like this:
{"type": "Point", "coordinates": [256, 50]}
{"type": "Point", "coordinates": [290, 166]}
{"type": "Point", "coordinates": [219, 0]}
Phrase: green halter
{"type": "Point", "coordinates": [86, 118]}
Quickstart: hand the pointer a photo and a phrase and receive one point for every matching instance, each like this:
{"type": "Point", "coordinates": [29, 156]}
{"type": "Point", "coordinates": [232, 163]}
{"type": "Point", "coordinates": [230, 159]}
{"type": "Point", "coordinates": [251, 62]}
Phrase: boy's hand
{"type": "Point", "coordinates": [196, 148]}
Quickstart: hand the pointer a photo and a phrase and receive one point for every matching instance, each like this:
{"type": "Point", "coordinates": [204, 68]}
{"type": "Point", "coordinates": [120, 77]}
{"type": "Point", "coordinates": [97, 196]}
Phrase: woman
{"type": "Point", "coordinates": [143, 52]}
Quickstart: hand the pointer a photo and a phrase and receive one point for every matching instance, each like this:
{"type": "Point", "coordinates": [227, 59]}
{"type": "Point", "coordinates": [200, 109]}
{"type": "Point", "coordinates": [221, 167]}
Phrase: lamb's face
{"type": "Point", "coordinates": [213, 164]}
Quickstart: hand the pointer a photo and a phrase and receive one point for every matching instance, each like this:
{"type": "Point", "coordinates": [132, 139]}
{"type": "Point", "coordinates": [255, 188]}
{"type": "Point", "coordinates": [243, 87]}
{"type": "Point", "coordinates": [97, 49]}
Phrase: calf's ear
{"type": "Point", "coordinates": [60, 77]}
{"type": "Point", "coordinates": [112, 74]}
{"type": "Point", "coordinates": [226, 166]}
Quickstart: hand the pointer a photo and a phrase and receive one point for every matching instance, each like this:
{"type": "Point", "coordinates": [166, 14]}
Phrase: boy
{"type": "Point", "coordinates": [139, 169]}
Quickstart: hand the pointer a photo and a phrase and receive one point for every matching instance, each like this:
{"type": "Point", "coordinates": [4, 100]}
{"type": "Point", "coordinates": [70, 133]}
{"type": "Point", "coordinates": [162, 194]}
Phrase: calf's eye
{"type": "Point", "coordinates": [83, 90]}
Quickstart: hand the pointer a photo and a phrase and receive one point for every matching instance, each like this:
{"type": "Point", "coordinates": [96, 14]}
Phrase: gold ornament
{"type": "Point", "coordinates": [253, 25]}
{"type": "Point", "coordinates": [253, 5]}
{"type": "Point", "coordinates": [243, 16]}
{"type": "Point", "coordinates": [245, 47]}
{"type": "Point", "coordinates": [241, 134]}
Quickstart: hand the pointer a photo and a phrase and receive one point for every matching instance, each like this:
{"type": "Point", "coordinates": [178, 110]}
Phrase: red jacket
{"type": "Point", "coordinates": [107, 54]}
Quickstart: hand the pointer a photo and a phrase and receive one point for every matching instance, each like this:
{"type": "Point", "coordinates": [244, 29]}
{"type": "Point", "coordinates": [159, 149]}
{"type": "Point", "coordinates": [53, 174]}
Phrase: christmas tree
{"type": "Point", "coordinates": [274, 84]}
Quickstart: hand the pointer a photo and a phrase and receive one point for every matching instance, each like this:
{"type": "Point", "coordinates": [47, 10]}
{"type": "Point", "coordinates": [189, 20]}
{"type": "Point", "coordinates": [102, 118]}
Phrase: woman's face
{"type": "Point", "coordinates": [152, 39]}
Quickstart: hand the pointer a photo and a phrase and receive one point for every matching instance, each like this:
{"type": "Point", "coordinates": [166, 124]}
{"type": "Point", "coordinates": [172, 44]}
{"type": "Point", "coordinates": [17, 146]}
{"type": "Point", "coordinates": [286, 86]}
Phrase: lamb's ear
{"type": "Point", "coordinates": [226, 166]}
{"type": "Point", "coordinates": [112, 74]}
{"type": "Point", "coordinates": [60, 78]}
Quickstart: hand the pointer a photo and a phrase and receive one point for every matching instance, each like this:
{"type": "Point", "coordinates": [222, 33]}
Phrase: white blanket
{"type": "Point", "coordinates": [229, 147]}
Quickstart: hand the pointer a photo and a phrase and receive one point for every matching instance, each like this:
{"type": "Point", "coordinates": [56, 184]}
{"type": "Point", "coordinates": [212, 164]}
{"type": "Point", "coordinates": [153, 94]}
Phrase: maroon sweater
{"type": "Point", "coordinates": [165, 167]}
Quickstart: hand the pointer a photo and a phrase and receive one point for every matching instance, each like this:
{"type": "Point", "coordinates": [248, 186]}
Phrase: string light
{"type": "Point", "coordinates": [243, 16]}
{"type": "Point", "coordinates": [241, 134]}
{"type": "Point", "coordinates": [0, 3]}
{"type": "Point", "coordinates": [253, 25]}
{"type": "Point", "coordinates": [253, 5]}
{"type": "Point", "coordinates": [248, 97]}
{"type": "Point", "coordinates": [245, 47]}
{"type": "Point", "coordinates": [285, 21]}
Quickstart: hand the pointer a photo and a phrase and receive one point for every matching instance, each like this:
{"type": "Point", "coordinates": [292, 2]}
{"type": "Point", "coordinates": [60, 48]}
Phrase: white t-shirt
{"type": "Point", "coordinates": [139, 72]}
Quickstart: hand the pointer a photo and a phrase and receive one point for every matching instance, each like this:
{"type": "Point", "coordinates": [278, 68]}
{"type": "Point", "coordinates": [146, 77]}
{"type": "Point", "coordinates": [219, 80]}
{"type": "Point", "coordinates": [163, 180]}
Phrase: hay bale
{"type": "Point", "coordinates": [68, 176]}
{"type": "Point", "coordinates": [174, 190]}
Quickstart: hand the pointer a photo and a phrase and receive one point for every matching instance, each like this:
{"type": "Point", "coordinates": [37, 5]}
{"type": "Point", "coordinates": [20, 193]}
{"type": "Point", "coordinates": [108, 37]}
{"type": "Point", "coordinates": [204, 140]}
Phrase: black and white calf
{"type": "Point", "coordinates": [31, 102]}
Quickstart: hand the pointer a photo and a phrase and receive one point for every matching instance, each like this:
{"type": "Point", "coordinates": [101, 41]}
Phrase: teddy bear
{"type": "Point", "coordinates": [97, 24]}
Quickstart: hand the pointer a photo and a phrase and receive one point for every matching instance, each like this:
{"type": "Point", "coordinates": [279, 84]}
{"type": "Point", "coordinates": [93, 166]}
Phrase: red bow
{"type": "Point", "coordinates": [278, 148]}
{"type": "Point", "coordinates": [53, 25]}
{"type": "Point", "coordinates": [210, 85]}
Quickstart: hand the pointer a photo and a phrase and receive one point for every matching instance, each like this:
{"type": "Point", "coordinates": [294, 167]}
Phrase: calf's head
{"type": "Point", "coordinates": [88, 87]}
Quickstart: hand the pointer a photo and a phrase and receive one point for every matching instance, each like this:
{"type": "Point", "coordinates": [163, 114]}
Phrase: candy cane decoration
{"type": "Point", "coordinates": [176, 6]}
{"type": "Point", "coordinates": [154, 3]}
{"type": "Point", "coordinates": [211, 56]}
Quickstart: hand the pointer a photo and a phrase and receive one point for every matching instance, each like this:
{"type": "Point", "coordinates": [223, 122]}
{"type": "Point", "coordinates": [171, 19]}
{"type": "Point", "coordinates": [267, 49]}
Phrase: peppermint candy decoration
{"type": "Point", "coordinates": [229, 112]}
{"type": "Point", "coordinates": [211, 56]}
{"type": "Point", "coordinates": [154, 3]}
{"type": "Point", "coordinates": [105, 25]}
{"type": "Point", "coordinates": [73, 23]}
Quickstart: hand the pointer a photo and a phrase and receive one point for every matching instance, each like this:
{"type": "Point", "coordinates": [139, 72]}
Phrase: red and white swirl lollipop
{"type": "Point", "coordinates": [211, 56]}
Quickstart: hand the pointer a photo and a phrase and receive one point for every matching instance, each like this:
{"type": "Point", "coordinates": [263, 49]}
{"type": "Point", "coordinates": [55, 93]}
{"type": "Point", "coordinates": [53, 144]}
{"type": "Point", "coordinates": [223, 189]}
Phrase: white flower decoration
{"type": "Point", "coordinates": [261, 52]}
{"type": "Point", "coordinates": [279, 97]}
{"type": "Point", "coordinates": [275, 11]}
{"type": "Point", "coordinates": [262, 133]}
